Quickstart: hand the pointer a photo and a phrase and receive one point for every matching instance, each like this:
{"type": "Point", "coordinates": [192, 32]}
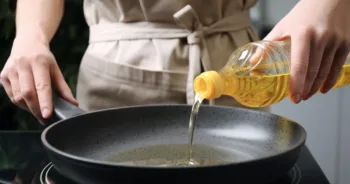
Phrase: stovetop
{"type": "Point", "coordinates": [23, 160]}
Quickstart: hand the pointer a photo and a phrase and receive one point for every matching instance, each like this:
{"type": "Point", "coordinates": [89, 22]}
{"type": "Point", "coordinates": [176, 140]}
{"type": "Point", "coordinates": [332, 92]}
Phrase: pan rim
{"type": "Point", "coordinates": [85, 160]}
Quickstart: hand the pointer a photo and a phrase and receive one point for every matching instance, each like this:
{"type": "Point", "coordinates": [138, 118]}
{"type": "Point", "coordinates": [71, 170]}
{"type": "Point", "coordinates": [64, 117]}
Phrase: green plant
{"type": "Point", "coordinates": [68, 46]}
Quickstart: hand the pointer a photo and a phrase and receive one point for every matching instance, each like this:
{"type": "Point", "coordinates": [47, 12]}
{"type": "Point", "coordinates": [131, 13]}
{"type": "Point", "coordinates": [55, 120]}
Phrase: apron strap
{"type": "Point", "coordinates": [188, 18]}
{"type": "Point", "coordinates": [188, 26]}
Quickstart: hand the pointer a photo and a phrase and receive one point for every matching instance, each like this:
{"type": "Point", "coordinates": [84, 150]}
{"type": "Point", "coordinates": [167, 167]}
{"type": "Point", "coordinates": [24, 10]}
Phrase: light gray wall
{"type": "Point", "coordinates": [325, 117]}
{"type": "Point", "coordinates": [320, 117]}
{"type": "Point", "coordinates": [343, 172]}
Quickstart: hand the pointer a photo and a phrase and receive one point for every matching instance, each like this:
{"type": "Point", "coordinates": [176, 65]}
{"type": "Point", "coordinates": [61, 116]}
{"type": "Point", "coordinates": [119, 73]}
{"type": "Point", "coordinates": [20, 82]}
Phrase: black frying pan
{"type": "Point", "coordinates": [243, 146]}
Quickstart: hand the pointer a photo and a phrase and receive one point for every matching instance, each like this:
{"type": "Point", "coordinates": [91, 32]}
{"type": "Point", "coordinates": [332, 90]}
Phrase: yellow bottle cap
{"type": "Point", "coordinates": [209, 85]}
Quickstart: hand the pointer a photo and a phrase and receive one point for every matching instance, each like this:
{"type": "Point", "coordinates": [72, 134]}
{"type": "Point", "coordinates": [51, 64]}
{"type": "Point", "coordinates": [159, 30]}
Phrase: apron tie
{"type": "Point", "coordinates": [188, 26]}
{"type": "Point", "coordinates": [188, 18]}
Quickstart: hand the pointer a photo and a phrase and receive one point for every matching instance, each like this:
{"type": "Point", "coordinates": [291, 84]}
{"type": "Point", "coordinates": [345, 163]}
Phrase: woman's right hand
{"type": "Point", "coordinates": [29, 75]}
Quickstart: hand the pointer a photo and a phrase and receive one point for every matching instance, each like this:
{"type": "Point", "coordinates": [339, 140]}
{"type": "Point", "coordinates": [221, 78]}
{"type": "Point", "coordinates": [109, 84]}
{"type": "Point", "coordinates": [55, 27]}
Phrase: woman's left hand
{"type": "Point", "coordinates": [320, 35]}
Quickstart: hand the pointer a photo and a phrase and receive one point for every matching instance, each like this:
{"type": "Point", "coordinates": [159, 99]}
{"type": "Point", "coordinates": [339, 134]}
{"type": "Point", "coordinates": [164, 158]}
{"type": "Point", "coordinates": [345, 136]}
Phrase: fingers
{"type": "Point", "coordinates": [27, 78]}
{"type": "Point", "coordinates": [9, 79]}
{"type": "Point", "coordinates": [299, 65]}
{"type": "Point", "coordinates": [258, 56]}
{"type": "Point", "coordinates": [320, 61]}
{"type": "Point", "coordinates": [277, 33]}
{"type": "Point", "coordinates": [42, 81]}
{"type": "Point", "coordinates": [27, 82]}
{"type": "Point", "coordinates": [27, 86]}
{"type": "Point", "coordinates": [61, 85]}
{"type": "Point", "coordinates": [336, 68]}
{"type": "Point", "coordinates": [7, 85]}
{"type": "Point", "coordinates": [16, 91]}
{"type": "Point", "coordinates": [323, 72]}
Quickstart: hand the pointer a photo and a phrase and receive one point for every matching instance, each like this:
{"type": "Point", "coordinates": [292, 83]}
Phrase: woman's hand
{"type": "Point", "coordinates": [319, 32]}
{"type": "Point", "coordinates": [28, 75]}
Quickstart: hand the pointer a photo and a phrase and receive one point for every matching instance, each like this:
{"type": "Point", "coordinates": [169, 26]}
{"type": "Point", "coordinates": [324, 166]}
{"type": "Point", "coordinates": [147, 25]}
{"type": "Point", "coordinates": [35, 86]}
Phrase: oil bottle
{"type": "Point", "coordinates": [256, 75]}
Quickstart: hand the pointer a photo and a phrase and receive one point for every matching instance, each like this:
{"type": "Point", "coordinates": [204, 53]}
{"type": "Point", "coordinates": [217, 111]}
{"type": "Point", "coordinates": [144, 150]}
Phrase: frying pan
{"type": "Point", "coordinates": [255, 146]}
{"type": "Point", "coordinates": [252, 146]}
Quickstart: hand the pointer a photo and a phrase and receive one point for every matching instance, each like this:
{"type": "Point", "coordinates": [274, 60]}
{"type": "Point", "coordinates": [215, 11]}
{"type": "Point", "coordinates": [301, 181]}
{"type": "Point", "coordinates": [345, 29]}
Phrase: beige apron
{"type": "Point", "coordinates": [150, 51]}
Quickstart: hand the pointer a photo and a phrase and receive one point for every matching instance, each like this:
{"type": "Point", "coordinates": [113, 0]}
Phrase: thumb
{"type": "Point", "coordinates": [61, 85]}
{"type": "Point", "coordinates": [276, 34]}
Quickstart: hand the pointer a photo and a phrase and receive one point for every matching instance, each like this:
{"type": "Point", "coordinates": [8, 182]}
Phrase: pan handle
{"type": "Point", "coordinates": [62, 109]}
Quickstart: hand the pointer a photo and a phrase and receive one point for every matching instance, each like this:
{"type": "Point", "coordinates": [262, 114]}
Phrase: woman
{"type": "Point", "coordinates": [149, 51]}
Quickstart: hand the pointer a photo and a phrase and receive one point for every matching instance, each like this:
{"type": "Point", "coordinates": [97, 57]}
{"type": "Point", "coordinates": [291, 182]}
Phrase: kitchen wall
{"type": "Point", "coordinates": [325, 117]}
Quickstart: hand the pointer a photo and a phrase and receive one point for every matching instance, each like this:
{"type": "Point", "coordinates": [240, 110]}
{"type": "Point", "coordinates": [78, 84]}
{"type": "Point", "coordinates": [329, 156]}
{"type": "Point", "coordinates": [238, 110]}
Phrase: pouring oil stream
{"type": "Point", "coordinates": [192, 123]}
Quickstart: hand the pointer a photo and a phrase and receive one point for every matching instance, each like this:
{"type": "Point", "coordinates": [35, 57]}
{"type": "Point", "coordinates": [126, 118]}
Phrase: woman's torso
{"type": "Point", "coordinates": [111, 11]}
{"type": "Point", "coordinates": [121, 72]}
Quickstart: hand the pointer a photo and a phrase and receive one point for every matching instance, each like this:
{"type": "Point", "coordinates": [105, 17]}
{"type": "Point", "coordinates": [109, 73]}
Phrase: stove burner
{"type": "Point", "coordinates": [49, 175]}
{"type": "Point", "coordinates": [296, 175]}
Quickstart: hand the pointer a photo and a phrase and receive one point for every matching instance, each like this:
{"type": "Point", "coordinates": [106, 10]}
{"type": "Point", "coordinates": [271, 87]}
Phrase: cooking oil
{"type": "Point", "coordinates": [168, 155]}
{"type": "Point", "coordinates": [256, 75]}
{"type": "Point", "coordinates": [192, 123]}
{"type": "Point", "coordinates": [174, 155]}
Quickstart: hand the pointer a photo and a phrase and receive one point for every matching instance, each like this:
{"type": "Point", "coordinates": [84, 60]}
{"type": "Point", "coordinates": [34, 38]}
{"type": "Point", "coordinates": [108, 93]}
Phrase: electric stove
{"type": "Point", "coordinates": [23, 160]}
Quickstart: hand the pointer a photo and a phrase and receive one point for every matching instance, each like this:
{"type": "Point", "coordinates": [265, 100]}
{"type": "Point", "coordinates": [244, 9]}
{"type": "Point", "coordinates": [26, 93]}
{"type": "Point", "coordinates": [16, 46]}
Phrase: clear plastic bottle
{"type": "Point", "coordinates": [256, 75]}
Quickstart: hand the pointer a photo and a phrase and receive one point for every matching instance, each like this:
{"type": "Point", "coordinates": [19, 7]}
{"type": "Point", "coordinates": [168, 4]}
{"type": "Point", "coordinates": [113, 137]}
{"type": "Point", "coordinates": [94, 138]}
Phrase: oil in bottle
{"type": "Point", "coordinates": [256, 75]}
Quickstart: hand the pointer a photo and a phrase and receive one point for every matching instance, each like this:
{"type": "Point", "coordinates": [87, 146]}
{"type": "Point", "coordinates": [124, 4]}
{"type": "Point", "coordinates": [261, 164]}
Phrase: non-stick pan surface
{"type": "Point", "coordinates": [257, 147]}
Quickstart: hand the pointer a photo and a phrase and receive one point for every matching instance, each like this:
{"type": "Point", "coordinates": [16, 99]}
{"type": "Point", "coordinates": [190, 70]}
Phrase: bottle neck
{"type": "Point", "coordinates": [209, 85]}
